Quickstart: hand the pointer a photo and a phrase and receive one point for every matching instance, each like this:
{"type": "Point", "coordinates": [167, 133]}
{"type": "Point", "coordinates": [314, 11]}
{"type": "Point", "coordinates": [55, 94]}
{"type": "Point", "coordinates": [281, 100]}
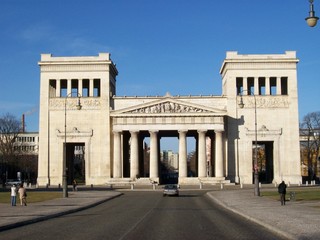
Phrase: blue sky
{"type": "Point", "coordinates": [174, 46]}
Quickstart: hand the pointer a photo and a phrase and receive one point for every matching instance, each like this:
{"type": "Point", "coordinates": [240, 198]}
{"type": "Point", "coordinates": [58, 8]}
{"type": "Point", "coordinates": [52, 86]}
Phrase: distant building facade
{"type": "Point", "coordinates": [27, 143]}
{"type": "Point", "coordinates": [110, 130]}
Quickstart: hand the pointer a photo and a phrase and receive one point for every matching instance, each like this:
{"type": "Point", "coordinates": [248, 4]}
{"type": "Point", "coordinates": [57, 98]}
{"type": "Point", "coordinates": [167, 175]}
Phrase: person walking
{"type": "Point", "coordinates": [74, 184]}
{"type": "Point", "coordinates": [282, 189]}
{"type": "Point", "coordinates": [22, 195]}
{"type": "Point", "coordinates": [13, 195]}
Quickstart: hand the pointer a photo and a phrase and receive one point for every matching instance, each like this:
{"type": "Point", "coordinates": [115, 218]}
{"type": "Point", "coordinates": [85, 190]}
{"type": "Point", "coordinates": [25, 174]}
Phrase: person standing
{"type": "Point", "coordinates": [282, 189]}
{"type": "Point", "coordinates": [13, 195]}
{"type": "Point", "coordinates": [23, 195]}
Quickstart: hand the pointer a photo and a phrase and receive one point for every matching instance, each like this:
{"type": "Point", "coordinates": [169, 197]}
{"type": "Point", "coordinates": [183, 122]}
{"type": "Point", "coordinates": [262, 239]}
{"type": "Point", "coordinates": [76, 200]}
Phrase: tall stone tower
{"type": "Point", "coordinates": [75, 103]}
{"type": "Point", "coordinates": [267, 85]}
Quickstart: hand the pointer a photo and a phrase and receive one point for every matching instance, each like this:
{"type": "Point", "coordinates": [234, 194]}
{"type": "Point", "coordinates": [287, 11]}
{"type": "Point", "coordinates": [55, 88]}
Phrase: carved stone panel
{"type": "Point", "coordinates": [168, 107]}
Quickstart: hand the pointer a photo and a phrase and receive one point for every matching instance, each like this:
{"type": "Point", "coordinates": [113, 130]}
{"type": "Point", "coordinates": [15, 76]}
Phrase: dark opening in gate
{"type": "Point", "coordinates": [265, 161]}
{"type": "Point", "coordinates": [76, 162]}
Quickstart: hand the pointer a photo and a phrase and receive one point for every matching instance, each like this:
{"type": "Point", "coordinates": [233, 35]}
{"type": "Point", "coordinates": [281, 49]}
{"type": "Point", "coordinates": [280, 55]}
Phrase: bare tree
{"type": "Point", "coordinates": [9, 130]}
{"type": "Point", "coordinates": [310, 132]}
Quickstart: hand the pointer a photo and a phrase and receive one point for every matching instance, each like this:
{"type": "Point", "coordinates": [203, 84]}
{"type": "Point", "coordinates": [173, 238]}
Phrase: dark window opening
{"type": "Point", "coordinates": [52, 88]}
{"type": "Point", "coordinates": [74, 88]}
{"type": "Point", "coordinates": [239, 82]}
{"type": "Point", "coordinates": [85, 88]}
{"type": "Point", "coordinates": [284, 86]}
{"type": "Point", "coordinates": [63, 88]}
{"type": "Point", "coordinates": [96, 88]}
{"type": "Point", "coordinates": [262, 86]}
{"type": "Point", "coordinates": [273, 86]}
{"type": "Point", "coordinates": [250, 81]}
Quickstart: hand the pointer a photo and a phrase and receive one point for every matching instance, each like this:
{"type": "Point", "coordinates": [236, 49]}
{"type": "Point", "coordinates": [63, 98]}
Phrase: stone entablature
{"type": "Point", "coordinates": [167, 123]}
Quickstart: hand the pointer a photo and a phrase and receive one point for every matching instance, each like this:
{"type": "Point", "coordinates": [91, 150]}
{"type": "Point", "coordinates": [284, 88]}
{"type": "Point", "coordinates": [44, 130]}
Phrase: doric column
{"type": "Point", "coordinates": [278, 86]}
{"type": "Point", "coordinates": [134, 155]}
{"type": "Point", "coordinates": [256, 86]}
{"type": "Point", "coordinates": [219, 154]}
{"type": "Point", "coordinates": [183, 153]}
{"type": "Point", "coordinates": [58, 88]}
{"type": "Point", "coordinates": [154, 171]}
{"type": "Point", "coordinates": [117, 168]}
{"type": "Point", "coordinates": [202, 164]}
{"type": "Point", "coordinates": [90, 87]}
{"type": "Point", "coordinates": [267, 85]}
{"type": "Point", "coordinates": [69, 89]}
{"type": "Point", "coordinates": [80, 87]}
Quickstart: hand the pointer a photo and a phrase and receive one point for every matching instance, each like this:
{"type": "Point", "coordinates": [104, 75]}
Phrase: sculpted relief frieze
{"type": "Point", "coordinates": [266, 102]}
{"type": "Point", "coordinates": [71, 103]}
{"type": "Point", "coordinates": [168, 107]}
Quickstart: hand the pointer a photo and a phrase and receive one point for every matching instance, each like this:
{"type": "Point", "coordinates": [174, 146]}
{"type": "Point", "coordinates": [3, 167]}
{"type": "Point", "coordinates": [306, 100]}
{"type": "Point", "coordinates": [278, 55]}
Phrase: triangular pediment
{"type": "Point", "coordinates": [169, 106]}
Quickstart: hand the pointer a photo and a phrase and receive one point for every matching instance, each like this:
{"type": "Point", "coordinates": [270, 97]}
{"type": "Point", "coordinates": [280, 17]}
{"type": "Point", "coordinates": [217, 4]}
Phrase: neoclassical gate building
{"type": "Point", "coordinates": [81, 113]}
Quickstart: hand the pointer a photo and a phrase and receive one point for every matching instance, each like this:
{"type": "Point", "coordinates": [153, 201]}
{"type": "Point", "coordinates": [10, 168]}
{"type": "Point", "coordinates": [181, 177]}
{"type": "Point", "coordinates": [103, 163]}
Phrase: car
{"type": "Point", "coordinates": [11, 182]}
{"type": "Point", "coordinates": [171, 190]}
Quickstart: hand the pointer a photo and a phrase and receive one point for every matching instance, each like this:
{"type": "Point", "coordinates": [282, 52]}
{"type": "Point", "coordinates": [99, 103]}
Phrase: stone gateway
{"type": "Point", "coordinates": [100, 137]}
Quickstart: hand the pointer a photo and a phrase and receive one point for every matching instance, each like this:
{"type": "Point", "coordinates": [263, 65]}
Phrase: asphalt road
{"type": "Point", "coordinates": [146, 215]}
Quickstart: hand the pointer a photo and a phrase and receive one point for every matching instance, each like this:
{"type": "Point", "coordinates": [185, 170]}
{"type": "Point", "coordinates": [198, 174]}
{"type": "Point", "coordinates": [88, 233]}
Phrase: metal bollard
{"type": "Point", "coordinates": [292, 196]}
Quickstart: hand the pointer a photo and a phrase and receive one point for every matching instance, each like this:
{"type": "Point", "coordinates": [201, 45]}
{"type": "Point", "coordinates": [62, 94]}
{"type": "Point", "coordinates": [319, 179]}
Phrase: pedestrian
{"type": "Point", "coordinates": [13, 195]}
{"type": "Point", "coordinates": [74, 184]}
{"type": "Point", "coordinates": [282, 189]}
{"type": "Point", "coordinates": [23, 195]}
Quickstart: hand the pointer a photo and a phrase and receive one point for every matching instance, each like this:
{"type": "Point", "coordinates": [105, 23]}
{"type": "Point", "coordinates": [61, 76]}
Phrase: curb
{"type": "Point", "coordinates": [252, 219]}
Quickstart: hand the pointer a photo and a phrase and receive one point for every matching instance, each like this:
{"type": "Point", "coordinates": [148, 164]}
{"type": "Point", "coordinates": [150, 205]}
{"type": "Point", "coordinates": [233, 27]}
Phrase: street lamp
{"type": "Point", "coordinates": [256, 173]}
{"type": "Point", "coordinates": [312, 19]}
{"type": "Point", "coordinates": [64, 176]}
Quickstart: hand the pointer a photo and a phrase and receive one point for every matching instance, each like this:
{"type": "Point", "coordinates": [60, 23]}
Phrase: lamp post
{"type": "Point", "coordinates": [256, 173]}
{"type": "Point", "coordinates": [64, 176]}
{"type": "Point", "coordinates": [312, 18]}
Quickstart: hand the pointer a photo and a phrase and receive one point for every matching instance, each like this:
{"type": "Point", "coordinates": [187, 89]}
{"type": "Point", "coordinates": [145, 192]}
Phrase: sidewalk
{"type": "Point", "coordinates": [295, 220]}
{"type": "Point", "coordinates": [11, 217]}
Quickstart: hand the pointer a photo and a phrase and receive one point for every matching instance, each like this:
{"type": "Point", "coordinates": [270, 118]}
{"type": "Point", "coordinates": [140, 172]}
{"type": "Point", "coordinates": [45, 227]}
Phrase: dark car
{"type": "Point", "coordinates": [171, 190]}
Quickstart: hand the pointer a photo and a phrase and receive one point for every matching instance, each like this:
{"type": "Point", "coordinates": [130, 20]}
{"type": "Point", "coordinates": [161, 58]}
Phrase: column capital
{"type": "Point", "coordinates": [183, 131]}
{"type": "Point", "coordinates": [134, 131]}
{"type": "Point", "coordinates": [218, 131]}
{"type": "Point", "coordinates": [153, 131]}
{"type": "Point", "coordinates": [202, 130]}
